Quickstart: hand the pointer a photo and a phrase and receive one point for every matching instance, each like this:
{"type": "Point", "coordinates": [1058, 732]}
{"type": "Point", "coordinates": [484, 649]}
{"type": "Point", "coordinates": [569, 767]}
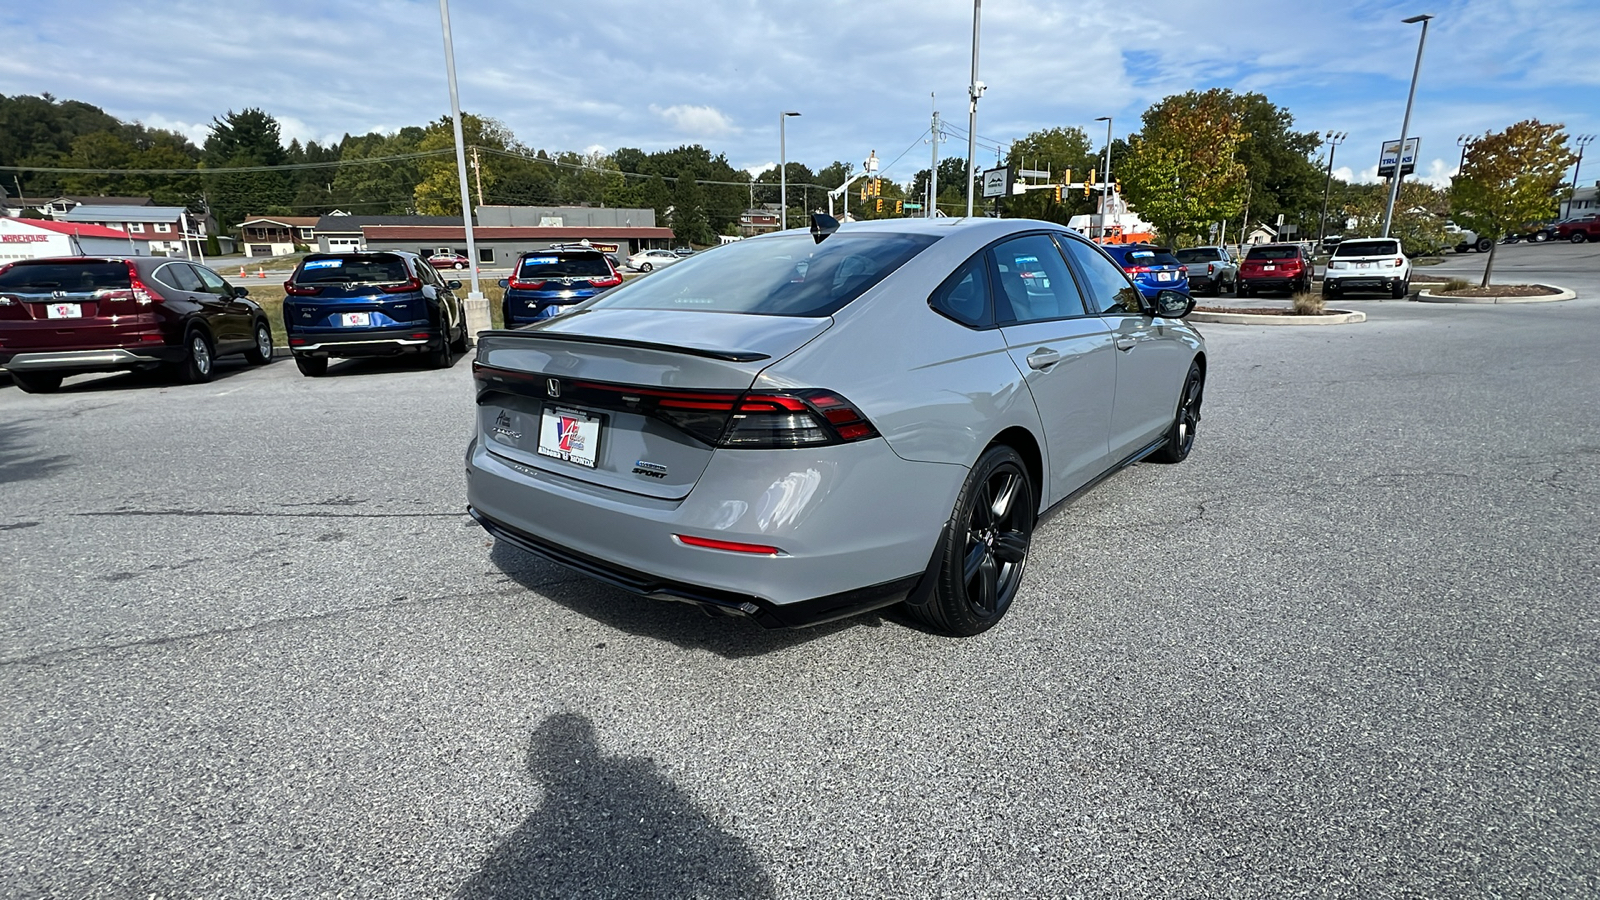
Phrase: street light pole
{"type": "Point", "coordinates": [783, 171]}
{"type": "Point", "coordinates": [1582, 140]}
{"type": "Point", "coordinates": [1465, 142]}
{"type": "Point", "coordinates": [1405, 125]}
{"type": "Point", "coordinates": [461, 152]}
{"type": "Point", "coordinates": [1335, 138]}
{"type": "Point", "coordinates": [1107, 187]}
{"type": "Point", "coordinates": [974, 91]}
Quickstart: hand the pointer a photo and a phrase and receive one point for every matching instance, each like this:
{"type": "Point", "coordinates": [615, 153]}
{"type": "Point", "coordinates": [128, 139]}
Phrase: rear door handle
{"type": "Point", "coordinates": [1043, 359]}
{"type": "Point", "coordinates": [1126, 343]}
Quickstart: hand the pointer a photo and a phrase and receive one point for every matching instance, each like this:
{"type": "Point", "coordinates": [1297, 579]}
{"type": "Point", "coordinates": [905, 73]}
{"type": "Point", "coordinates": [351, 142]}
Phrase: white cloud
{"type": "Point", "coordinates": [196, 132]}
{"type": "Point", "coordinates": [695, 121]}
{"type": "Point", "coordinates": [755, 171]}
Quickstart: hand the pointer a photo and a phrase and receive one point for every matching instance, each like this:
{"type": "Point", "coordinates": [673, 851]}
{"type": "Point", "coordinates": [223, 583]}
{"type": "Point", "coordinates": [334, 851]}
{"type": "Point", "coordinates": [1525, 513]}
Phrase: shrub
{"type": "Point", "coordinates": [1456, 284]}
{"type": "Point", "coordinates": [1307, 304]}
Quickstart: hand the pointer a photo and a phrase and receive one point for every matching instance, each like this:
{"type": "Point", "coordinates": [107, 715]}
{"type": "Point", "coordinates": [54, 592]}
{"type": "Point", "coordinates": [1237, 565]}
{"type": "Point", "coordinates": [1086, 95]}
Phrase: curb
{"type": "Point", "coordinates": [1566, 294]}
{"type": "Point", "coordinates": [1332, 317]}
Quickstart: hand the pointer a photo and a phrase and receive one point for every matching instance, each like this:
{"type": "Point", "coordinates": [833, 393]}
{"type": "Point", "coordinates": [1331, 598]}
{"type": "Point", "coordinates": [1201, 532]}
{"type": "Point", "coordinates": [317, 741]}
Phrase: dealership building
{"type": "Point", "coordinates": [40, 238]}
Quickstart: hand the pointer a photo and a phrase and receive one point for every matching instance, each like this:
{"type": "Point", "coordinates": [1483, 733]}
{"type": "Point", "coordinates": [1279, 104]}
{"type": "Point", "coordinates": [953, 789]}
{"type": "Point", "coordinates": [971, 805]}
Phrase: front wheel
{"type": "Point", "coordinates": [1541, 237]}
{"type": "Point", "coordinates": [37, 382]}
{"type": "Point", "coordinates": [1180, 437]}
{"type": "Point", "coordinates": [1485, 245]}
{"type": "Point", "coordinates": [1578, 237]}
{"type": "Point", "coordinates": [985, 547]}
{"type": "Point", "coordinates": [261, 353]}
{"type": "Point", "coordinates": [645, 267]}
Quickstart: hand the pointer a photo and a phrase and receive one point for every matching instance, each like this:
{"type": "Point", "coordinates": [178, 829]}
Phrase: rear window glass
{"type": "Point", "coordinates": [1198, 254]}
{"type": "Point", "coordinates": [563, 265]}
{"type": "Point", "coordinates": [72, 277]}
{"type": "Point", "coordinates": [789, 275]}
{"type": "Point", "coordinates": [1367, 248]}
{"type": "Point", "coordinates": [363, 269]}
{"type": "Point", "coordinates": [1274, 253]}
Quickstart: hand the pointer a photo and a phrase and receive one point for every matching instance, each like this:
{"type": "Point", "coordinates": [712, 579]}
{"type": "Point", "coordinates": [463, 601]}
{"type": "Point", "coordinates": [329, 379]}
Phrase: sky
{"type": "Point", "coordinates": [865, 75]}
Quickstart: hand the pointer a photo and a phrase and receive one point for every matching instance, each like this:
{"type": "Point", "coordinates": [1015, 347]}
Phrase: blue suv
{"type": "Point", "coordinates": [1152, 269]}
{"type": "Point", "coordinates": [379, 303]}
{"type": "Point", "coordinates": [545, 281]}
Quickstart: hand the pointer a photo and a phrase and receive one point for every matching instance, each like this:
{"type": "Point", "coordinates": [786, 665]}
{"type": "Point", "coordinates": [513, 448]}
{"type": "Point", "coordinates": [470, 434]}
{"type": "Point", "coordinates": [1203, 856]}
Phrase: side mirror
{"type": "Point", "coordinates": [241, 293]}
{"type": "Point", "coordinates": [504, 282]}
{"type": "Point", "coordinates": [1172, 304]}
{"type": "Point", "coordinates": [455, 285]}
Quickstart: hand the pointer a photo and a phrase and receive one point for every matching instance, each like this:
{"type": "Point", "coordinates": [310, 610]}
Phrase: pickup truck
{"type": "Point", "coordinates": [1468, 240]}
{"type": "Point", "coordinates": [1583, 228]}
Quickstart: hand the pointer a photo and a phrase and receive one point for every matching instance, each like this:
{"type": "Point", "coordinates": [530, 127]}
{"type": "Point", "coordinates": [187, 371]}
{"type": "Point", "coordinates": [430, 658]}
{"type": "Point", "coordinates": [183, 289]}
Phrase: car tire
{"type": "Point", "coordinates": [199, 359]}
{"type": "Point", "coordinates": [1328, 290]}
{"type": "Point", "coordinates": [1485, 245]}
{"type": "Point", "coordinates": [1541, 237]}
{"type": "Point", "coordinates": [444, 355]}
{"type": "Point", "coordinates": [462, 342]}
{"type": "Point", "coordinates": [645, 267]}
{"type": "Point", "coordinates": [983, 552]}
{"type": "Point", "coordinates": [1399, 291]}
{"type": "Point", "coordinates": [459, 266]}
{"type": "Point", "coordinates": [37, 382]}
{"type": "Point", "coordinates": [1578, 237]}
{"type": "Point", "coordinates": [311, 366]}
{"type": "Point", "coordinates": [1241, 291]}
{"type": "Point", "coordinates": [1180, 436]}
{"type": "Point", "coordinates": [260, 353]}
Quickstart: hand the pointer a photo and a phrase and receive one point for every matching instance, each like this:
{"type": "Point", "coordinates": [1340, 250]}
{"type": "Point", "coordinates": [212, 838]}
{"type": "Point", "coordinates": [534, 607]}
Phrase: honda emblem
{"type": "Point", "coordinates": [552, 387]}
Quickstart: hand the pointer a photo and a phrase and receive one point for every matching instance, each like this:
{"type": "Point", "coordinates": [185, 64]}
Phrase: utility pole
{"type": "Point", "coordinates": [477, 173]}
{"type": "Point", "coordinates": [1335, 138]}
{"type": "Point", "coordinates": [974, 91]}
{"type": "Point", "coordinates": [933, 170]}
{"type": "Point", "coordinates": [1582, 140]}
{"type": "Point", "coordinates": [1405, 125]}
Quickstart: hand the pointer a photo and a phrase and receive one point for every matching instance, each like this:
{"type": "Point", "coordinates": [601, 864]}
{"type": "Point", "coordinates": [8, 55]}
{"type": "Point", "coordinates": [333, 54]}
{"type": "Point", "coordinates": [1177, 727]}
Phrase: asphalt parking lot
{"type": "Point", "coordinates": [251, 646]}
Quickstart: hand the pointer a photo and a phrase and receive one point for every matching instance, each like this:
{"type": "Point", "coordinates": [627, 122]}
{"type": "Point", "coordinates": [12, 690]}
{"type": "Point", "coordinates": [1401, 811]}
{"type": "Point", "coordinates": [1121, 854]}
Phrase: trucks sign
{"type": "Point", "coordinates": [1408, 159]}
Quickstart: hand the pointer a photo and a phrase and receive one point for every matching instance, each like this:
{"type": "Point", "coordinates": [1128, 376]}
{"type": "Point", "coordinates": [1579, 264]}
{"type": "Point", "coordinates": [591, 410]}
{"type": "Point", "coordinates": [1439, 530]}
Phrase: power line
{"type": "Point", "coordinates": [368, 160]}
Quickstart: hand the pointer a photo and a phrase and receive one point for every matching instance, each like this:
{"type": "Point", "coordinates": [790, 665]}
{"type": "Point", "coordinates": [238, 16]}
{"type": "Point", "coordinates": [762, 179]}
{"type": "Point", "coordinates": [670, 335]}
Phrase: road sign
{"type": "Point", "coordinates": [1280, 220]}
{"type": "Point", "coordinates": [910, 205]}
{"type": "Point", "coordinates": [996, 182]}
{"type": "Point", "coordinates": [1408, 159]}
{"type": "Point", "coordinates": [1033, 173]}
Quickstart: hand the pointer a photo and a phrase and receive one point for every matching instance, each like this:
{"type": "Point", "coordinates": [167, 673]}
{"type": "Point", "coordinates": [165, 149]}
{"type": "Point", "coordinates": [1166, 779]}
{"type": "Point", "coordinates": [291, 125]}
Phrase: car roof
{"type": "Point", "coordinates": [551, 250]}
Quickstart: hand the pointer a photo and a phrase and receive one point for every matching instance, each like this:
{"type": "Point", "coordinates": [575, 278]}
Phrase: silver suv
{"type": "Point", "coordinates": [1368, 264]}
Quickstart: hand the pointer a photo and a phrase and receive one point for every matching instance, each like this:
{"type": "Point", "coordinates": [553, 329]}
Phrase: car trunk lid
{"type": "Point", "coordinates": [627, 399]}
{"type": "Point", "coordinates": [82, 303]}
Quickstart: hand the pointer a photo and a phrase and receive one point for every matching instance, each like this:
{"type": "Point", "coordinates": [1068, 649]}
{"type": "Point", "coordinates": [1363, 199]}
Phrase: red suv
{"type": "Point", "coordinates": [68, 315]}
{"type": "Point", "coordinates": [1275, 267]}
{"type": "Point", "coordinates": [1584, 228]}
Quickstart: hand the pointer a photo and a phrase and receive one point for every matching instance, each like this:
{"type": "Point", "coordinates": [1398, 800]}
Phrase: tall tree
{"type": "Point", "coordinates": [1183, 171]}
{"type": "Point", "coordinates": [1058, 151]}
{"type": "Point", "coordinates": [247, 139]}
{"type": "Point", "coordinates": [438, 193]}
{"type": "Point", "coordinates": [1510, 179]}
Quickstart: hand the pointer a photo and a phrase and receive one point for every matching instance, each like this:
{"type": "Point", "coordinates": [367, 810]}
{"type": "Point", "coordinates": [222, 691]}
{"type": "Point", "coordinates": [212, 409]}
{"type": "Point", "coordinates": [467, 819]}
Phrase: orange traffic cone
{"type": "Point", "coordinates": [241, 272]}
{"type": "Point", "coordinates": [260, 272]}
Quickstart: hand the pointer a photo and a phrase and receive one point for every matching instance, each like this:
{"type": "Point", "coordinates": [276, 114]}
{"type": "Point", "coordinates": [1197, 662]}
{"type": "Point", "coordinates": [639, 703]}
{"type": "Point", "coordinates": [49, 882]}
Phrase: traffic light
{"type": "Point", "coordinates": [880, 204]}
{"type": "Point", "coordinates": [864, 193]}
{"type": "Point", "coordinates": [1058, 193]}
{"type": "Point", "coordinates": [899, 207]}
{"type": "Point", "coordinates": [1088, 186]}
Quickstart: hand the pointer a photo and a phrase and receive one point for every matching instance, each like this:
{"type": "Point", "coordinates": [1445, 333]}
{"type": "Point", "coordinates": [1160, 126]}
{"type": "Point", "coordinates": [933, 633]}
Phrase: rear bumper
{"type": "Point", "coordinates": [89, 360]}
{"type": "Point", "coordinates": [855, 525]}
{"type": "Point", "coordinates": [1256, 283]}
{"type": "Point", "coordinates": [1363, 282]}
{"type": "Point", "coordinates": [377, 342]}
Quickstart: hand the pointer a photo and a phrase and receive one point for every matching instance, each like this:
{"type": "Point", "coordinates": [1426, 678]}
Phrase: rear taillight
{"type": "Point", "coordinates": [1211, 268]}
{"type": "Point", "coordinates": [730, 546]}
{"type": "Point", "coordinates": [1136, 270]}
{"type": "Point", "coordinates": [298, 290]}
{"type": "Point", "coordinates": [1399, 261]}
{"type": "Point", "coordinates": [413, 284]}
{"type": "Point", "coordinates": [612, 280]}
{"type": "Point", "coordinates": [526, 285]}
{"type": "Point", "coordinates": [137, 289]}
{"type": "Point", "coordinates": [1184, 271]}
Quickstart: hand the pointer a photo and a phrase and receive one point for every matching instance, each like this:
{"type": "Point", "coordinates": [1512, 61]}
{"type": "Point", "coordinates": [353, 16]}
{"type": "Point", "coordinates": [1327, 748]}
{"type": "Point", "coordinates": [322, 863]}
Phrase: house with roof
{"type": "Point", "coordinates": [39, 238]}
{"type": "Point", "coordinates": [164, 227]}
{"type": "Point", "coordinates": [276, 235]}
{"type": "Point", "coordinates": [341, 232]}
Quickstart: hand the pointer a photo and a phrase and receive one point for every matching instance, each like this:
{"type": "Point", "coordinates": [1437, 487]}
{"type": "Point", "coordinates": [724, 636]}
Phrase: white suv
{"type": "Point", "coordinates": [1368, 264]}
{"type": "Point", "coordinates": [1467, 239]}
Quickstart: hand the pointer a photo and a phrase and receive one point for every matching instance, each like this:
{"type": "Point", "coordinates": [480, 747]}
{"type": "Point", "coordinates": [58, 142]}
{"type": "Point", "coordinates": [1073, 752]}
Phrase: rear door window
{"type": "Point", "coordinates": [1197, 255]}
{"type": "Point", "coordinates": [562, 265]}
{"type": "Point", "coordinates": [179, 276]}
{"type": "Point", "coordinates": [964, 296]}
{"type": "Point", "coordinates": [1274, 253]}
{"type": "Point", "coordinates": [1367, 248]}
{"type": "Point", "coordinates": [1033, 281]}
{"type": "Point", "coordinates": [84, 277]}
{"type": "Point", "coordinates": [354, 269]}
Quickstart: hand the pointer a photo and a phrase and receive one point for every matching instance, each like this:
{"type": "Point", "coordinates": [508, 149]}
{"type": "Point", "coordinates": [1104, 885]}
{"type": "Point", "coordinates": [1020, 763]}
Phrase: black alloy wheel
{"type": "Point", "coordinates": [1578, 237]}
{"type": "Point", "coordinates": [311, 366]}
{"type": "Point", "coordinates": [985, 547]}
{"type": "Point", "coordinates": [1180, 437]}
{"type": "Point", "coordinates": [37, 382]}
{"type": "Point", "coordinates": [261, 353]}
{"type": "Point", "coordinates": [197, 362]}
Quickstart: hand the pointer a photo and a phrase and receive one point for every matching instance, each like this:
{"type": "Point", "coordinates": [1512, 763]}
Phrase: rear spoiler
{"type": "Point", "coordinates": [741, 356]}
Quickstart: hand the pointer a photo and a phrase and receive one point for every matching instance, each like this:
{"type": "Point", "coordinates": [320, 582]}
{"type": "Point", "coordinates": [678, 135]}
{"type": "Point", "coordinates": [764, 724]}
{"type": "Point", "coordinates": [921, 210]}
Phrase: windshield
{"type": "Point", "coordinates": [579, 265]}
{"type": "Point", "coordinates": [1274, 253]}
{"type": "Point", "coordinates": [378, 268]}
{"type": "Point", "coordinates": [1198, 254]}
{"type": "Point", "coordinates": [1160, 256]}
{"type": "Point", "coordinates": [83, 277]}
{"type": "Point", "coordinates": [791, 275]}
{"type": "Point", "coordinates": [1368, 248]}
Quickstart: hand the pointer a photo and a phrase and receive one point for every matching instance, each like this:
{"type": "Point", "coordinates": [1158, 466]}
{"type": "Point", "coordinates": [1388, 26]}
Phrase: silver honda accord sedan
{"type": "Point", "coordinates": [807, 425]}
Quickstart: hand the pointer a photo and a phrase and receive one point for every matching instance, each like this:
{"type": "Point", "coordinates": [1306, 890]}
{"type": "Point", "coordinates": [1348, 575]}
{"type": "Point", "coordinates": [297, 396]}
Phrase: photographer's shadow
{"type": "Point", "coordinates": [611, 827]}
{"type": "Point", "coordinates": [683, 624]}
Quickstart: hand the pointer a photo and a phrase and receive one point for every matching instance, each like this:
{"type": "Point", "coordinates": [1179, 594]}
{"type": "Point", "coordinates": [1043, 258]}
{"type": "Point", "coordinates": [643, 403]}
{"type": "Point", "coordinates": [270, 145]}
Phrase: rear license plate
{"type": "Point", "coordinates": [1163, 276]}
{"type": "Point", "coordinates": [570, 435]}
{"type": "Point", "coordinates": [355, 319]}
{"type": "Point", "coordinates": [1365, 265]}
{"type": "Point", "coordinates": [64, 311]}
{"type": "Point", "coordinates": [1270, 268]}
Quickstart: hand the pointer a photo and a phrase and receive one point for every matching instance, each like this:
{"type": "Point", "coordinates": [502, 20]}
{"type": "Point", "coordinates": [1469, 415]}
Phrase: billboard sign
{"type": "Point", "coordinates": [996, 182]}
{"type": "Point", "coordinates": [1408, 159]}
